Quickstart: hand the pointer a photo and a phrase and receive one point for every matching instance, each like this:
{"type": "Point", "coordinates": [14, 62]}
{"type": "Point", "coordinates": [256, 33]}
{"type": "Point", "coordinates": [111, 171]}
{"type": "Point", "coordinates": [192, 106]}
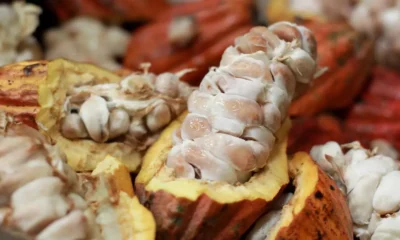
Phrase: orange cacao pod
{"type": "Point", "coordinates": [348, 56]}
{"type": "Point", "coordinates": [215, 29]}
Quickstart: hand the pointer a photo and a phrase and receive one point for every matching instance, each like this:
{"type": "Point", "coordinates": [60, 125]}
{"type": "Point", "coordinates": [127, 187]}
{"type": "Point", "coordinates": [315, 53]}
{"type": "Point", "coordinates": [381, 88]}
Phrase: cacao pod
{"type": "Point", "coordinates": [44, 198]}
{"type": "Point", "coordinates": [316, 210]}
{"type": "Point", "coordinates": [39, 94]}
{"type": "Point", "coordinates": [207, 210]}
{"type": "Point", "coordinates": [212, 31]}
{"type": "Point", "coordinates": [369, 181]}
{"type": "Point", "coordinates": [128, 10]}
{"type": "Point", "coordinates": [308, 132]}
{"type": "Point", "coordinates": [110, 10]}
{"type": "Point", "coordinates": [375, 117]}
{"type": "Point", "coordinates": [348, 57]}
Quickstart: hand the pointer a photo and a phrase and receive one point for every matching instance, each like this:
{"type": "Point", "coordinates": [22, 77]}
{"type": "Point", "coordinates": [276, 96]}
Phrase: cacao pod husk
{"type": "Point", "coordinates": [216, 29]}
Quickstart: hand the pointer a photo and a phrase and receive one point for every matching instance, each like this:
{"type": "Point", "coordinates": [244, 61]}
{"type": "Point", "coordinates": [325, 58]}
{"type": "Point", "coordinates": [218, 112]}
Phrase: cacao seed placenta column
{"type": "Point", "coordinates": [240, 105]}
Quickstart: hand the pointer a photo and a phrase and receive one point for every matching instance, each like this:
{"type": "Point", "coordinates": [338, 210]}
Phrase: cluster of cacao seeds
{"type": "Point", "coordinates": [240, 106]}
{"type": "Point", "coordinates": [87, 40]}
{"type": "Point", "coordinates": [369, 181]}
{"type": "Point", "coordinates": [17, 23]}
{"type": "Point", "coordinates": [42, 197]}
{"type": "Point", "coordinates": [132, 111]}
{"type": "Point", "coordinates": [380, 19]}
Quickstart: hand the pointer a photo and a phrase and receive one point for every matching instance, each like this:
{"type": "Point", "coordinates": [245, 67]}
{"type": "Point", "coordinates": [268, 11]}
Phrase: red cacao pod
{"type": "Point", "coordinates": [348, 56]}
{"type": "Point", "coordinates": [215, 30]}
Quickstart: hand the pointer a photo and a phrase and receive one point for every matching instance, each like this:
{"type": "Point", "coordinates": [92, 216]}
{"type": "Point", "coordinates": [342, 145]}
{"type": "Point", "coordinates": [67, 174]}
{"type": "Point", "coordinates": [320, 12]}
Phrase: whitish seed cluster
{"type": "Point", "coordinates": [86, 39]}
{"type": "Point", "coordinates": [17, 23]}
{"type": "Point", "coordinates": [240, 105]}
{"type": "Point", "coordinates": [370, 183]}
{"type": "Point", "coordinates": [43, 198]}
{"type": "Point", "coordinates": [132, 111]}
{"type": "Point", "coordinates": [379, 19]}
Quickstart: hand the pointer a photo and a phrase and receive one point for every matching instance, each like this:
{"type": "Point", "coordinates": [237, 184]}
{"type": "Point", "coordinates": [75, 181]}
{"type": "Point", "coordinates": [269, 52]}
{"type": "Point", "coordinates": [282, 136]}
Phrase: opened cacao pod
{"type": "Point", "coordinates": [43, 198]}
{"type": "Point", "coordinates": [316, 210]}
{"type": "Point", "coordinates": [194, 41]}
{"type": "Point", "coordinates": [198, 210]}
{"type": "Point", "coordinates": [207, 210]}
{"type": "Point", "coordinates": [123, 116]}
{"type": "Point", "coordinates": [348, 57]}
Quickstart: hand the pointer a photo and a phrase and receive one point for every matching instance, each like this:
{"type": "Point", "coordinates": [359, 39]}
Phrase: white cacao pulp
{"type": "Point", "coordinates": [85, 39]}
{"type": "Point", "coordinates": [43, 198]}
{"type": "Point", "coordinates": [240, 105]}
{"type": "Point", "coordinates": [369, 181]}
{"type": "Point", "coordinates": [379, 19]}
{"type": "Point", "coordinates": [133, 111]}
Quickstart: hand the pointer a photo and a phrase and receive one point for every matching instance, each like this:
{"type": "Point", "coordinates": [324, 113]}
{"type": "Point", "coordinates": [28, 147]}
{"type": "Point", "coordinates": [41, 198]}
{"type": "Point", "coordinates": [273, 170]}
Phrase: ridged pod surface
{"type": "Point", "coordinates": [376, 115]}
{"type": "Point", "coordinates": [54, 95]}
{"type": "Point", "coordinates": [248, 94]}
{"type": "Point", "coordinates": [369, 181]}
{"type": "Point", "coordinates": [348, 57]}
{"type": "Point", "coordinates": [128, 10]}
{"type": "Point", "coordinates": [196, 40]}
{"type": "Point", "coordinates": [316, 210]}
{"type": "Point", "coordinates": [43, 198]}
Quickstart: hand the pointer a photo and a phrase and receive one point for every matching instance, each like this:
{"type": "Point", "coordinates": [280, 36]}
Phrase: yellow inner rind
{"type": "Point", "coordinates": [280, 10]}
{"type": "Point", "coordinates": [305, 174]}
{"type": "Point", "coordinates": [134, 220]}
{"type": "Point", "coordinates": [82, 155]}
{"type": "Point", "coordinates": [265, 184]}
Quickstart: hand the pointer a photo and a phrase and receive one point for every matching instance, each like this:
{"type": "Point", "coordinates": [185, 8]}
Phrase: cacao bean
{"type": "Point", "coordinates": [77, 201]}
{"type": "Point", "coordinates": [287, 32]}
{"type": "Point", "coordinates": [309, 42]}
{"type": "Point", "coordinates": [225, 125]}
{"type": "Point", "coordinates": [41, 187]}
{"type": "Point", "coordinates": [118, 123]}
{"type": "Point", "coordinates": [159, 117]}
{"type": "Point", "coordinates": [33, 216]}
{"type": "Point", "coordinates": [15, 151]}
{"type": "Point", "coordinates": [236, 107]}
{"type": "Point", "coordinates": [72, 226]}
{"type": "Point", "coordinates": [386, 200]}
{"type": "Point", "coordinates": [194, 126]}
{"type": "Point", "coordinates": [26, 173]}
{"type": "Point", "coordinates": [229, 149]}
{"type": "Point", "coordinates": [272, 117]}
{"type": "Point", "coordinates": [95, 114]}
{"type": "Point", "coordinates": [302, 65]}
{"type": "Point", "coordinates": [72, 127]}
{"type": "Point", "coordinates": [284, 78]}
{"type": "Point", "coordinates": [210, 167]}
{"type": "Point", "coordinates": [176, 161]}
{"type": "Point", "coordinates": [167, 83]}
{"type": "Point", "coordinates": [137, 129]}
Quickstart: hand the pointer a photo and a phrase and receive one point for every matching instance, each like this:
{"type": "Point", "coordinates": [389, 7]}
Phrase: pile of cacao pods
{"type": "Point", "coordinates": [207, 119]}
